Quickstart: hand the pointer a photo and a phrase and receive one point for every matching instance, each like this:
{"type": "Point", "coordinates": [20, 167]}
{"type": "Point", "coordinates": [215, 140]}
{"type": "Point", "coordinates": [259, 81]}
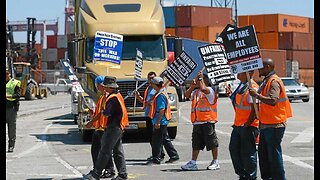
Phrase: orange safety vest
{"type": "Point", "coordinates": [145, 97]}
{"type": "Point", "coordinates": [278, 113]}
{"type": "Point", "coordinates": [124, 119]}
{"type": "Point", "coordinates": [101, 123]}
{"type": "Point", "coordinates": [153, 107]}
{"type": "Point", "coordinates": [202, 110]}
{"type": "Point", "coordinates": [243, 107]}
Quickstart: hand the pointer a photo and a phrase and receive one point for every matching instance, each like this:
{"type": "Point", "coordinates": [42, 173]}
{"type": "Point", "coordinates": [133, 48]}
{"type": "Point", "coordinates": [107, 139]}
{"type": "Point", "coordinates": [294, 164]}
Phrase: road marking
{"type": "Point", "coordinates": [48, 175]}
{"type": "Point", "coordinates": [68, 166]}
{"type": "Point", "coordinates": [38, 145]}
{"type": "Point", "coordinates": [297, 162]}
{"type": "Point", "coordinates": [305, 136]}
{"type": "Point", "coordinates": [223, 132]}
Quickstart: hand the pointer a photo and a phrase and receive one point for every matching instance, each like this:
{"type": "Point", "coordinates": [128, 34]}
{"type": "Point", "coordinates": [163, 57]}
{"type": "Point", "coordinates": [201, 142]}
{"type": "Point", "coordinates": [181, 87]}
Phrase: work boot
{"type": "Point", "coordinates": [91, 176]}
{"type": "Point", "coordinates": [10, 149]}
{"type": "Point", "coordinates": [173, 159]}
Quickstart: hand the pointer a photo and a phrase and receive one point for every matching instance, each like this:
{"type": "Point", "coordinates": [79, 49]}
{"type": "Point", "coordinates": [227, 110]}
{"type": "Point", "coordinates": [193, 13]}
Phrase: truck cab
{"type": "Point", "coordinates": [141, 22]}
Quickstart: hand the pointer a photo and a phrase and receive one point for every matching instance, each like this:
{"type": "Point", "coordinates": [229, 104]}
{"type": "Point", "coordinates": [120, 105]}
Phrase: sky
{"type": "Point", "coordinates": [19, 10]}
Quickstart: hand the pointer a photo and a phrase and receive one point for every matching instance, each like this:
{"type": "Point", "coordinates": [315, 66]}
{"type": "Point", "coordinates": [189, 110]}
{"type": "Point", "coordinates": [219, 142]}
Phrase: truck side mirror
{"type": "Point", "coordinates": [170, 57]}
{"type": "Point", "coordinates": [71, 55]}
{"type": "Point", "coordinates": [80, 70]}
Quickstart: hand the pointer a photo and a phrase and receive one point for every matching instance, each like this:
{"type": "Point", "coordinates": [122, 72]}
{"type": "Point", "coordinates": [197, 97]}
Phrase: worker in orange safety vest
{"type": "Point", "coordinates": [242, 146]}
{"type": "Point", "coordinates": [274, 110]}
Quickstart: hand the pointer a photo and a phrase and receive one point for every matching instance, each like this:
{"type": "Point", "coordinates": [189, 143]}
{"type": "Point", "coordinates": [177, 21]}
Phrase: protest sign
{"type": "Point", "coordinates": [180, 69]}
{"type": "Point", "coordinates": [216, 64]}
{"type": "Point", "coordinates": [223, 33]}
{"type": "Point", "coordinates": [242, 50]}
{"type": "Point", "coordinates": [139, 64]}
{"type": "Point", "coordinates": [73, 78]}
{"type": "Point", "coordinates": [108, 47]}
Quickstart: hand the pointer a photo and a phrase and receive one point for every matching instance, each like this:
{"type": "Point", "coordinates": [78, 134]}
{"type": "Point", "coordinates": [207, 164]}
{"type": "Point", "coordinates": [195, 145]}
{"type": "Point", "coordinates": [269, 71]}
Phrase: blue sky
{"type": "Point", "coordinates": [18, 10]}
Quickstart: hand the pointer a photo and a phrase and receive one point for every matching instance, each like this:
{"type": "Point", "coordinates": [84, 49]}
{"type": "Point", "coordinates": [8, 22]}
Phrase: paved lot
{"type": "Point", "coordinates": [49, 145]}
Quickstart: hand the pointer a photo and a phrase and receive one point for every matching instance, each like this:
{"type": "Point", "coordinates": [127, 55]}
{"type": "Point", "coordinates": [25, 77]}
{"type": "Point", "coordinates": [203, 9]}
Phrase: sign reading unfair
{"type": "Point", "coordinates": [108, 47]}
{"type": "Point", "coordinates": [216, 64]}
{"type": "Point", "coordinates": [139, 64]}
{"type": "Point", "coordinates": [242, 49]}
{"type": "Point", "coordinates": [180, 69]}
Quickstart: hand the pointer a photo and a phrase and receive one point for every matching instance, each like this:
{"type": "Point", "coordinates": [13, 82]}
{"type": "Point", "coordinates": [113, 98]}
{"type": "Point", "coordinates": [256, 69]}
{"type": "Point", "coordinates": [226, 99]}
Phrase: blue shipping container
{"type": "Point", "coordinates": [169, 16]}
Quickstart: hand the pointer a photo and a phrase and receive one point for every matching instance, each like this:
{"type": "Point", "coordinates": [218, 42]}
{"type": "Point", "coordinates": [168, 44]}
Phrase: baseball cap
{"type": "Point", "coordinates": [157, 80]}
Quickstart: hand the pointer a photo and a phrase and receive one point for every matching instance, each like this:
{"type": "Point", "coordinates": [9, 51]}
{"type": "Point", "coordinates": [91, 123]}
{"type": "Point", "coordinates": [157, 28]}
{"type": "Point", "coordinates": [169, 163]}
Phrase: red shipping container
{"type": "Point", "coordinates": [279, 57]}
{"type": "Point", "coordinates": [311, 25]}
{"type": "Point", "coordinates": [306, 76]}
{"type": "Point", "coordinates": [61, 52]}
{"type": "Point", "coordinates": [305, 58]}
{"type": "Point", "coordinates": [185, 32]}
{"type": "Point", "coordinates": [296, 41]}
{"type": "Point", "coordinates": [52, 41]}
{"type": "Point", "coordinates": [187, 16]}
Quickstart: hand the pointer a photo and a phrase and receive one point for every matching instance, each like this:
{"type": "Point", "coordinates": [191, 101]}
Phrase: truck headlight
{"type": "Point", "coordinates": [172, 99]}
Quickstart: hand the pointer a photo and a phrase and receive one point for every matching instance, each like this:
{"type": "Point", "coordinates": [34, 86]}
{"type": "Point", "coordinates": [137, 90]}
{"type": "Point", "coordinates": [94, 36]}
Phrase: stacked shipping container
{"type": "Point", "coordinates": [196, 22]}
{"type": "Point", "coordinates": [57, 49]}
{"type": "Point", "coordinates": [285, 32]}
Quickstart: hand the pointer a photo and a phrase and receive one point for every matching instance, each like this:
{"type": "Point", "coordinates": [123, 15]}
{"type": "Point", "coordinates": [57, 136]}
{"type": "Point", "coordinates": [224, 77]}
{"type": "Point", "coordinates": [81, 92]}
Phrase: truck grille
{"type": "Point", "coordinates": [126, 86]}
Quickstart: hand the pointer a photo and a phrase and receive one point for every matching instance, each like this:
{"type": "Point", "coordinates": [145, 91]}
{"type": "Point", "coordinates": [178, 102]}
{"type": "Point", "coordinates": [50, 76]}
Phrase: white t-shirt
{"type": "Point", "coordinates": [210, 97]}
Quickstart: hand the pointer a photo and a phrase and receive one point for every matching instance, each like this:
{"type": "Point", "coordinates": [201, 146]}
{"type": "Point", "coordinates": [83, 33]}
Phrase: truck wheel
{"type": "Point", "coordinates": [41, 94]}
{"type": "Point", "coordinates": [86, 135]}
{"type": "Point", "coordinates": [172, 131]}
{"type": "Point", "coordinates": [30, 92]}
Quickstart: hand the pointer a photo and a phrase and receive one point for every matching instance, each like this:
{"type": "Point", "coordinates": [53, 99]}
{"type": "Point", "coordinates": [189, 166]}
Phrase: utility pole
{"type": "Point", "coordinates": [211, 3]}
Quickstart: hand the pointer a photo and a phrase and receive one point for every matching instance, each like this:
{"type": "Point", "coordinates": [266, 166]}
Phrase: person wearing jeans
{"type": "Point", "coordinates": [274, 110]}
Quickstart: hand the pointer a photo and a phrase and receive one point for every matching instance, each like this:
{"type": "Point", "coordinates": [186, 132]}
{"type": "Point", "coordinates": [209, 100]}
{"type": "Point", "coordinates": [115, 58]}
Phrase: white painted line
{"type": "Point", "coordinates": [305, 136]}
{"type": "Point", "coordinates": [297, 162]}
{"type": "Point", "coordinates": [48, 175]}
{"type": "Point", "coordinates": [68, 166]}
{"type": "Point", "coordinates": [223, 132]}
{"type": "Point", "coordinates": [35, 147]}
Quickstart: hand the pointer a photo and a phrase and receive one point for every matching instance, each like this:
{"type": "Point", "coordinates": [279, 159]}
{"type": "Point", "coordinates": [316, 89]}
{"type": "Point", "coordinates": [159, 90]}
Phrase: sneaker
{"type": "Point", "coordinates": [214, 165]}
{"type": "Point", "coordinates": [190, 166]}
{"type": "Point", "coordinates": [118, 178]}
{"type": "Point", "coordinates": [173, 159]}
{"type": "Point", "coordinates": [10, 149]}
{"type": "Point", "coordinates": [90, 176]}
{"type": "Point", "coordinates": [107, 174]}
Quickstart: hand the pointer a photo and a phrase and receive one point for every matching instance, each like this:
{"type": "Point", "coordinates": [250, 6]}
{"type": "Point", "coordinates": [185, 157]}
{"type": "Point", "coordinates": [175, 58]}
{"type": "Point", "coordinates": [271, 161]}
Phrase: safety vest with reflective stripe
{"type": "Point", "coordinates": [278, 113]}
{"type": "Point", "coordinates": [153, 106]}
{"type": "Point", "coordinates": [10, 86]}
{"type": "Point", "coordinates": [101, 123]}
{"type": "Point", "coordinates": [243, 107]}
{"type": "Point", "coordinates": [124, 119]}
{"type": "Point", "coordinates": [202, 110]}
{"type": "Point", "coordinates": [145, 97]}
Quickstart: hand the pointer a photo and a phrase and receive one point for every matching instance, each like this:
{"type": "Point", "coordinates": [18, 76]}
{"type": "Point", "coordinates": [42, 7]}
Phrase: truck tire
{"type": "Point", "coordinates": [172, 131]}
{"type": "Point", "coordinates": [30, 92]}
{"type": "Point", "coordinates": [41, 94]}
{"type": "Point", "coordinates": [86, 135]}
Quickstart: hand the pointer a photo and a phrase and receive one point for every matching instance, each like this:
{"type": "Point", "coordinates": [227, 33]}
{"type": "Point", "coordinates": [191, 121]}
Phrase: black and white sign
{"type": "Point", "coordinates": [180, 69]}
{"type": "Point", "coordinates": [222, 35]}
{"type": "Point", "coordinates": [242, 49]}
{"type": "Point", "coordinates": [139, 64]}
{"type": "Point", "coordinates": [216, 64]}
{"type": "Point", "coordinates": [73, 78]}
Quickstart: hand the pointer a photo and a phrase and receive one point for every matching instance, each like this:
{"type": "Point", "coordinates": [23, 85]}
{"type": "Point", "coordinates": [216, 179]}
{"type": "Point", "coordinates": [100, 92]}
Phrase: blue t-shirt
{"type": "Point", "coordinates": [150, 94]}
{"type": "Point", "coordinates": [161, 103]}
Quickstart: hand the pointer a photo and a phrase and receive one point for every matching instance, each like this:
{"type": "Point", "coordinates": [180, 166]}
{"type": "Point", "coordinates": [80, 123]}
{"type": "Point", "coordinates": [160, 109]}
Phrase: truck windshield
{"type": "Point", "coordinates": [152, 47]}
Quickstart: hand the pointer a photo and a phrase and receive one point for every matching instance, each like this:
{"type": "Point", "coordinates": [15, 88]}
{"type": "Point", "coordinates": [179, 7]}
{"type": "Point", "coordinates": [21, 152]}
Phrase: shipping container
{"type": "Point", "coordinates": [306, 76]}
{"type": "Point", "coordinates": [292, 68]}
{"type": "Point", "coordinates": [311, 25]}
{"type": "Point", "coordinates": [70, 27]}
{"type": "Point", "coordinates": [268, 40]}
{"type": "Point", "coordinates": [296, 41]}
{"type": "Point", "coordinates": [185, 32]}
{"type": "Point", "coordinates": [50, 54]}
{"type": "Point", "coordinates": [207, 34]}
{"type": "Point", "coordinates": [279, 57]}
{"type": "Point", "coordinates": [52, 41]}
{"type": "Point", "coordinates": [61, 53]}
{"type": "Point", "coordinates": [62, 41]}
{"type": "Point", "coordinates": [305, 58]}
{"type": "Point", "coordinates": [276, 23]}
{"type": "Point", "coordinates": [187, 16]}
{"type": "Point", "coordinates": [169, 16]}
{"type": "Point", "coordinates": [170, 31]}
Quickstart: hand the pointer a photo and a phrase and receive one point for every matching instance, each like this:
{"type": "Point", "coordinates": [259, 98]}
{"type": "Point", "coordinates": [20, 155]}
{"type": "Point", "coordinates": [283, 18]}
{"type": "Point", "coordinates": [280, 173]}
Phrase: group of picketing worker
{"type": "Point", "coordinates": [261, 113]}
